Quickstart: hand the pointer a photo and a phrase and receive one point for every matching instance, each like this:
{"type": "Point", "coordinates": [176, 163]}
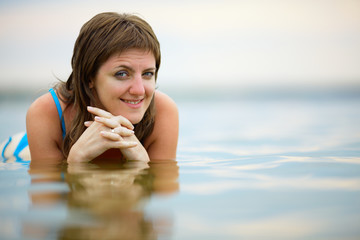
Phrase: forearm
{"type": "Point", "coordinates": [77, 155]}
{"type": "Point", "coordinates": [85, 150]}
{"type": "Point", "coordinates": [135, 153]}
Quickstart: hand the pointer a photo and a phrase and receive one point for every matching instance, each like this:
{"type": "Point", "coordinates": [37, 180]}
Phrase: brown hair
{"type": "Point", "coordinates": [102, 36]}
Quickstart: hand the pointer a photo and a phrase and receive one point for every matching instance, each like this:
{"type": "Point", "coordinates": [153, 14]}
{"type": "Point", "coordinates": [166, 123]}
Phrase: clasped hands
{"type": "Point", "coordinates": [107, 132]}
{"type": "Point", "coordinates": [117, 129]}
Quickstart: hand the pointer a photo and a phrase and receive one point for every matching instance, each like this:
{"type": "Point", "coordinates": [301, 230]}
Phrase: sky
{"type": "Point", "coordinates": [204, 43]}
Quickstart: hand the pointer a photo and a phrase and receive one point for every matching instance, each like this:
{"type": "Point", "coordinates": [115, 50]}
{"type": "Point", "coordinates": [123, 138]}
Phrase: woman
{"type": "Point", "coordinates": [108, 108]}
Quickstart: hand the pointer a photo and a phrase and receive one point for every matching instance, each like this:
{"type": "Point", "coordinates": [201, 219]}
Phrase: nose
{"type": "Point", "coordinates": [137, 86]}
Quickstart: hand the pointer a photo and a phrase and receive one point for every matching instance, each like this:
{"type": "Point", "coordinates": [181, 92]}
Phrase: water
{"type": "Point", "coordinates": [246, 169]}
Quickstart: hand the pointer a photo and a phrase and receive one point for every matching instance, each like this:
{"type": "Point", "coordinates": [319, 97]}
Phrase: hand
{"type": "Point", "coordinates": [104, 133]}
{"type": "Point", "coordinates": [120, 131]}
{"type": "Point", "coordinates": [118, 127]}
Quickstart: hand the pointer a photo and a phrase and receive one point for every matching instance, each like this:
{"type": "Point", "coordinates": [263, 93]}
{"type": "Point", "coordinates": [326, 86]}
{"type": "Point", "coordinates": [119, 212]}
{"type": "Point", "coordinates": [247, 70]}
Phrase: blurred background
{"type": "Point", "coordinates": [243, 46]}
{"type": "Point", "coordinates": [211, 50]}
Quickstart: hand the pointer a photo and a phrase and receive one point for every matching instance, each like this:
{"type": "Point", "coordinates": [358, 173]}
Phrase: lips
{"type": "Point", "coordinates": [132, 101]}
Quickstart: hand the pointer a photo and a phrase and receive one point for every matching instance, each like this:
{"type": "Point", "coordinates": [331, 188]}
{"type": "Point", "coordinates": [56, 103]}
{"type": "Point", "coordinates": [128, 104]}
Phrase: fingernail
{"type": "Point", "coordinates": [97, 118]}
{"type": "Point", "coordinates": [87, 123]}
{"type": "Point", "coordinates": [90, 107]}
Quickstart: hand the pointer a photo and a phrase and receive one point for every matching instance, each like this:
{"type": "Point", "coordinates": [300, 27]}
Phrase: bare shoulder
{"type": "Point", "coordinates": [42, 103]}
{"type": "Point", "coordinates": [167, 115]}
{"type": "Point", "coordinates": [42, 114]}
{"type": "Point", "coordinates": [162, 143]}
{"type": "Point", "coordinates": [164, 103]}
{"type": "Point", "coordinates": [43, 109]}
{"type": "Point", "coordinates": [43, 127]}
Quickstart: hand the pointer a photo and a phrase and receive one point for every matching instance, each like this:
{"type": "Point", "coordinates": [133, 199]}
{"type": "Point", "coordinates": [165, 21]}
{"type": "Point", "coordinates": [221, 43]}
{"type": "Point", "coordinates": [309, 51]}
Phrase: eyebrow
{"type": "Point", "coordinates": [131, 69]}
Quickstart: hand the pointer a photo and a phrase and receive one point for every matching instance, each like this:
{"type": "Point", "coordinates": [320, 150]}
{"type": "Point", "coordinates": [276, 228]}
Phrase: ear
{"type": "Point", "coordinates": [91, 84]}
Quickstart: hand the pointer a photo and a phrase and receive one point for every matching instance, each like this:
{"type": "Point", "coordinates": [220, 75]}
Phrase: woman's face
{"type": "Point", "coordinates": [125, 84]}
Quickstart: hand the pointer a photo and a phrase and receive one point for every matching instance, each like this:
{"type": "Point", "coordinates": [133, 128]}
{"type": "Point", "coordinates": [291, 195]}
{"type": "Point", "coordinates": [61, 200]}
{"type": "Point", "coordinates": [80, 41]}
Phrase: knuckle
{"type": "Point", "coordinates": [118, 118]}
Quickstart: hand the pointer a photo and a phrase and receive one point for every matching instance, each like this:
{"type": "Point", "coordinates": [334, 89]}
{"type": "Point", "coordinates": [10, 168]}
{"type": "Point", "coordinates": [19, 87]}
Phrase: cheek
{"type": "Point", "coordinates": [113, 88]}
{"type": "Point", "coordinates": [149, 88]}
{"type": "Point", "coordinates": [107, 94]}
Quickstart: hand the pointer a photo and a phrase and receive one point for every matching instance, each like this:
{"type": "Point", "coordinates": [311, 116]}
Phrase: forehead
{"type": "Point", "coordinates": [132, 56]}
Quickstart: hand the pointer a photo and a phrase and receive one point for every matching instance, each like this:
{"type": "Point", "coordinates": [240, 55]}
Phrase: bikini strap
{"type": "Point", "coordinates": [58, 106]}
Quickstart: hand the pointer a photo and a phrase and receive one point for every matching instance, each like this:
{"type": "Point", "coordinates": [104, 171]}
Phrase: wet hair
{"type": "Point", "coordinates": [101, 37]}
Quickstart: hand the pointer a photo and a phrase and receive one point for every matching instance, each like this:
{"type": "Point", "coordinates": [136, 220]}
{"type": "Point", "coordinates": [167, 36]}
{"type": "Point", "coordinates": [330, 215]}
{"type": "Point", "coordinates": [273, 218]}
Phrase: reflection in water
{"type": "Point", "coordinates": [103, 201]}
{"type": "Point", "coordinates": [271, 197]}
{"type": "Point", "coordinates": [273, 170]}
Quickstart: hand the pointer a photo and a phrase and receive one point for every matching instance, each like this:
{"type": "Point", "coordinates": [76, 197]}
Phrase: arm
{"type": "Point", "coordinates": [45, 136]}
{"type": "Point", "coordinates": [162, 143]}
{"type": "Point", "coordinates": [44, 130]}
{"type": "Point", "coordinates": [135, 153]}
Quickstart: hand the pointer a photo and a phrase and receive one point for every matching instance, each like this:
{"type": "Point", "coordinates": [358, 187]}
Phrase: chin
{"type": "Point", "coordinates": [135, 120]}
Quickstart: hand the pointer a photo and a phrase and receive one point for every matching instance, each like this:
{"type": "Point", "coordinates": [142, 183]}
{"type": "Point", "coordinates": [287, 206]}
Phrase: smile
{"type": "Point", "coordinates": [134, 103]}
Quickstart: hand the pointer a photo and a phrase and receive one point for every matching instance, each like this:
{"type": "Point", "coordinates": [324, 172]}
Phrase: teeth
{"type": "Point", "coordinates": [132, 102]}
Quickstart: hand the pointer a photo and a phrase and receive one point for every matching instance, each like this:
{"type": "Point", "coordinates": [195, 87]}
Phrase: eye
{"type": "Point", "coordinates": [148, 75]}
{"type": "Point", "coordinates": [121, 74]}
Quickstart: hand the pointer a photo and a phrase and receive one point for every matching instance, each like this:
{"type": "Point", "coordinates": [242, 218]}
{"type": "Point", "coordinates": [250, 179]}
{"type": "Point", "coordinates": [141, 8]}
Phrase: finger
{"type": "Point", "coordinates": [124, 132]}
{"type": "Point", "coordinates": [124, 122]}
{"type": "Point", "coordinates": [125, 144]}
{"type": "Point", "coordinates": [99, 112]}
{"type": "Point", "coordinates": [88, 123]}
{"type": "Point", "coordinates": [109, 122]}
{"type": "Point", "coordinates": [111, 135]}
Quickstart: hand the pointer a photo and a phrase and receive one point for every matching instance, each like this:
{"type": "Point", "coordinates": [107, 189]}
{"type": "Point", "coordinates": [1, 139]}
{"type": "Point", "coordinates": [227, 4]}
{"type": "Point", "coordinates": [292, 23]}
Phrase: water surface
{"type": "Point", "coordinates": [246, 169]}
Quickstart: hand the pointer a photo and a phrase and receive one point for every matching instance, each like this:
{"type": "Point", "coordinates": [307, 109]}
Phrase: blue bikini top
{"type": "Point", "coordinates": [58, 106]}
